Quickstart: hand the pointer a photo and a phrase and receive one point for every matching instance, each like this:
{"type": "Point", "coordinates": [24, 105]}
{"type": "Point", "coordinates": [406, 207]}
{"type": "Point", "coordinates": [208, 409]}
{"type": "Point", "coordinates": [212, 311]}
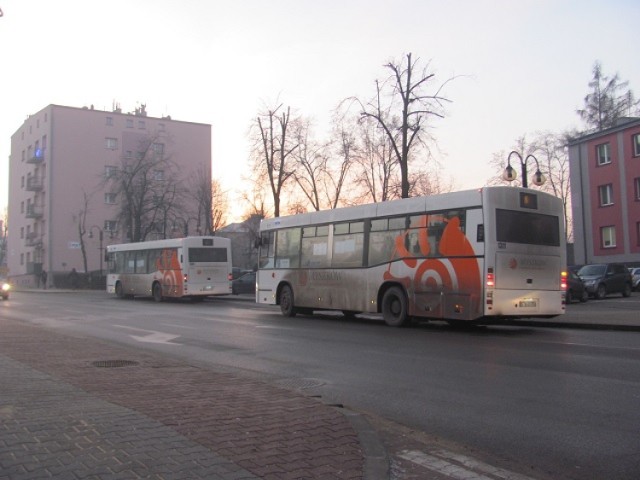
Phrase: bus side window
{"type": "Point", "coordinates": [288, 248]}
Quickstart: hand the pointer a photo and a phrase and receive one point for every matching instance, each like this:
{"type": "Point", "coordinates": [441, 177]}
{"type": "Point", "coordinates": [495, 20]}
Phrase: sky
{"type": "Point", "coordinates": [521, 66]}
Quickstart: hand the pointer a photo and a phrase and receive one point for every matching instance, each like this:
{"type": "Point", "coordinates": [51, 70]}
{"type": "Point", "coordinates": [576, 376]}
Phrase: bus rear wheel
{"type": "Point", "coordinates": [394, 307]}
{"type": "Point", "coordinates": [286, 302]}
{"type": "Point", "coordinates": [157, 292]}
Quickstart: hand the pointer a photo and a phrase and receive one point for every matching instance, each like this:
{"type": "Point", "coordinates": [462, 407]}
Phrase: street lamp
{"type": "Point", "coordinates": [510, 173]}
{"type": "Point", "coordinates": [100, 237]}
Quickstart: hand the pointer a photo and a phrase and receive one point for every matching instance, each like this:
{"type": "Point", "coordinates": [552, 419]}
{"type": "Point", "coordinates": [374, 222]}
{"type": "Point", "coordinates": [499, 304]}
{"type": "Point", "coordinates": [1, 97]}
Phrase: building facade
{"type": "Point", "coordinates": [60, 160]}
{"type": "Point", "coordinates": [605, 194]}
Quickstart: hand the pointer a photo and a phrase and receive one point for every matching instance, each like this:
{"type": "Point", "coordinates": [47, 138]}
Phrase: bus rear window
{"type": "Point", "coordinates": [207, 255]}
{"type": "Point", "coordinates": [528, 228]}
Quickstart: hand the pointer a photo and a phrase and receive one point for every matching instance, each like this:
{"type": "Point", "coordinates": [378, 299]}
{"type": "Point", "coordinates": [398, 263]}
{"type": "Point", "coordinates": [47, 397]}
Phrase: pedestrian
{"type": "Point", "coordinates": [73, 278]}
{"type": "Point", "coordinates": [43, 279]}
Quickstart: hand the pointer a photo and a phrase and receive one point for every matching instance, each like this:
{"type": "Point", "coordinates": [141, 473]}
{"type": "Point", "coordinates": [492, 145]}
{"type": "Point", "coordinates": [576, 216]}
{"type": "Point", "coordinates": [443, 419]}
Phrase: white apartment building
{"type": "Point", "coordinates": [59, 159]}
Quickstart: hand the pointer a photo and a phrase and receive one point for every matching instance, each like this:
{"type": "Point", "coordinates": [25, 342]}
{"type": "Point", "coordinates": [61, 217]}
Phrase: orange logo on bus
{"type": "Point", "coordinates": [457, 273]}
{"type": "Point", "coordinates": [169, 267]}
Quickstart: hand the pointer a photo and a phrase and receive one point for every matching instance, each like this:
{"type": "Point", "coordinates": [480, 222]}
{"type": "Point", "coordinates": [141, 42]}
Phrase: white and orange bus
{"type": "Point", "coordinates": [477, 255]}
{"type": "Point", "coordinates": [194, 267]}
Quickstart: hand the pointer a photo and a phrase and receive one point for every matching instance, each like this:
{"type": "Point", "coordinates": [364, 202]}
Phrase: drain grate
{"type": "Point", "coordinates": [113, 363]}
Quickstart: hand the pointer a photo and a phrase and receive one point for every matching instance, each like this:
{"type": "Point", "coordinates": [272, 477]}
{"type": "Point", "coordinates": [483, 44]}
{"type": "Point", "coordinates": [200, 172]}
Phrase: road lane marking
{"type": "Point", "coordinates": [151, 336]}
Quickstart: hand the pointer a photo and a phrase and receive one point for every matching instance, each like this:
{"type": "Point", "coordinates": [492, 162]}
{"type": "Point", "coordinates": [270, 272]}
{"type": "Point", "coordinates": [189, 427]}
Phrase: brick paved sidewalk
{"type": "Point", "coordinates": [67, 411]}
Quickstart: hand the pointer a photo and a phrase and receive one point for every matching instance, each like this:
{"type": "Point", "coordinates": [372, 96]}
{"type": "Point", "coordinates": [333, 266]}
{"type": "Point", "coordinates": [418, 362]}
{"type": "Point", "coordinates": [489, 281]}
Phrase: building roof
{"type": "Point", "coordinates": [621, 124]}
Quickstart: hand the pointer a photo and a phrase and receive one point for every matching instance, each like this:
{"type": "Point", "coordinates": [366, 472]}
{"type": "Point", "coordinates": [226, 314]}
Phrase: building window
{"type": "Point", "coordinates": [21, 207]}
{"type": "Point", "coordinates": [22, 259]}
{"type": "Point", "coordinates": [110, 171]}
{"type": "Point", "coordinates": [21, 232]}
{"type": "Point", "coordinates": [161, 127]}
{"type": "Point", "coordinates": [128, 154]}
{"type": "Point", "coordinates": [606, 195]}
{"type": "Point", "coordinates": [110, 121]}
{"type": "Point", "coordinates": [110, 226]}
{"type": "Point", "coordinates": [110, 198]}
{"type": "Point", "coordinates": [111, 143]}
{"type": "Point", "coordinates": [603, 154]}
{"type": "Point", "coordinates": [158, 175]}
{"type": "Point", "coordinates": [636, 188]}
{"type": "Point", "coordinates": [638, 233]}
{"type": "Point", "coordinates": [158, 149]}
{"type": "Point", "coordinates": [22, 181]}
{"type": "Point", "coordinates": [636, 145]}
{"type": "Point", "coordinates": [608, 235]}
{"type": "Point", "coordinates": [129, 123]}
{"type": "Point", "coordinates": [141, 124]}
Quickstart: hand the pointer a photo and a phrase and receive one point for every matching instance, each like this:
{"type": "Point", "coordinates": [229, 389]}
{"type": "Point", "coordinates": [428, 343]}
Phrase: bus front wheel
{"type": "Point", "coordinates": [157, 292]}
{"type": "Point", "coordinates": [286, 302]}
{"type": "Point", "coordinates": [394, 307]}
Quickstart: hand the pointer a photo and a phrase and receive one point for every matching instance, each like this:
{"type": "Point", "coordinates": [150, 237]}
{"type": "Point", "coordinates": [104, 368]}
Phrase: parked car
{"type": "Point", "coordinates": [635, 278]}
{"type": "Point", "coordinates": [575, 289]}
{"type": "Point", "coordinates": [601, 279]}
{"type": "Point", "coordinates": [244, 284]}
{"type": "Point", "coordinates": [5, 286]}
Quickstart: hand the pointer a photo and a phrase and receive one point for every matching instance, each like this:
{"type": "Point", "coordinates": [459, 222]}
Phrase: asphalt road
{"type": "Point", "coordinates": [563, 401]}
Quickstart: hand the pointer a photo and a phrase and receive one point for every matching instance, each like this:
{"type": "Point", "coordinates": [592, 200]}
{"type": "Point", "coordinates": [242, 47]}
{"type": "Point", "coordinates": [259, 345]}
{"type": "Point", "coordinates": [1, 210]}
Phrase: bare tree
{"type": "Point", "coordinates": [311, 163]}
{"type": "Point", "coordinates": [219, 206]}
{"type": "Point", "coordinates": [274, 145]}
{"type": "Point", "coordinates": [376, 166]}
{"type": "Point", "coordinates": [81, 219]}
{"type": "Point", "coordinates": [149, 189]}
{"type": "Point", "coordinates": [553, 154]}
{"type": "Point", "coordinates": [609, 100]}
{"type": "Point", "coordinates": [321, 169]}
{"type": "Point", "coordinates": [402, 107]}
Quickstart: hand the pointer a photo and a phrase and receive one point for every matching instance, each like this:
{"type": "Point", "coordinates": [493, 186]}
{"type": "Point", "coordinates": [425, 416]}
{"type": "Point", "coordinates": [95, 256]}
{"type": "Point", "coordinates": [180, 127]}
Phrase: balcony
{"type": "Point", "coordinates": [37, 157]}
{"type": "Point", "coordinates": [34, 211]}
{"type": "Point", "coordinates": [32, 240]}
{"type": "Point", "coordinates": [34, 184]}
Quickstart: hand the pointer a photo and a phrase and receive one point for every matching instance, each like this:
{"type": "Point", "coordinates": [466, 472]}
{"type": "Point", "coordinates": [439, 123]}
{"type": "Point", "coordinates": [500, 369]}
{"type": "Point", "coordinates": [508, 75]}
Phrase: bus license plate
{"type": "Point", "coordinates": [528, 304]}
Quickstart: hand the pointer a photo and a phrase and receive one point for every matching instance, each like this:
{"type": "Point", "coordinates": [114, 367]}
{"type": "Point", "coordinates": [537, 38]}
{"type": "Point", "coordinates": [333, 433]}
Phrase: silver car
{"type": "Point", "coordinates": [635, 278]}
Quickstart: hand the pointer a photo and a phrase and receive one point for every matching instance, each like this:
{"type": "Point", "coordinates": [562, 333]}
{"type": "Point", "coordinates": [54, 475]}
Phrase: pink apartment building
{"type": "Point", "coordinates": [605, 194]}
{"type": "Point", "coordinates": [58, 155]}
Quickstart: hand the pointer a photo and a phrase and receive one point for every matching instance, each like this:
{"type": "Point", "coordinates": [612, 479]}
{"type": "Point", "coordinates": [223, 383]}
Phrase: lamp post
{"type": "Point", "coordinates": [510, 173]}
{"type": "Point", "coordinates": [101, 238]}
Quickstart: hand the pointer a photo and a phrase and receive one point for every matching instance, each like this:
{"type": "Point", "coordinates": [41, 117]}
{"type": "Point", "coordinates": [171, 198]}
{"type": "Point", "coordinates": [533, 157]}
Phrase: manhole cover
{"type": "Point", "coordinates": [114, 363]}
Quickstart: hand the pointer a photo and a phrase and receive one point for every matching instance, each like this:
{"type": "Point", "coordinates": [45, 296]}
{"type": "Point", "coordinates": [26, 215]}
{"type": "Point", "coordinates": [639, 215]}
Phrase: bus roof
{"type": "Point", "coordinates": [169, 243]}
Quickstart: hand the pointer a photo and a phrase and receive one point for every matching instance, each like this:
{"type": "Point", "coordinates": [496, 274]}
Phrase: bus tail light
{"type": "Point", "coordinates": [491, 279]}
{"type": "Point", "coordinates": [563, 281]}
{"type": "Point", "coordinates": [185, 278]}
{"type": "Point", "coordinates": [229, 276]}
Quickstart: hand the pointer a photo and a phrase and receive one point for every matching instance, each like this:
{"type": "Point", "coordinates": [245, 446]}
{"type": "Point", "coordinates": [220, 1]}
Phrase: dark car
{"type": "Point", "coordinates": [575, 289]}
{"type": "Point", "coordinates": [601, 279]}
{"type": "Point", "coordinates": [244, 284]}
